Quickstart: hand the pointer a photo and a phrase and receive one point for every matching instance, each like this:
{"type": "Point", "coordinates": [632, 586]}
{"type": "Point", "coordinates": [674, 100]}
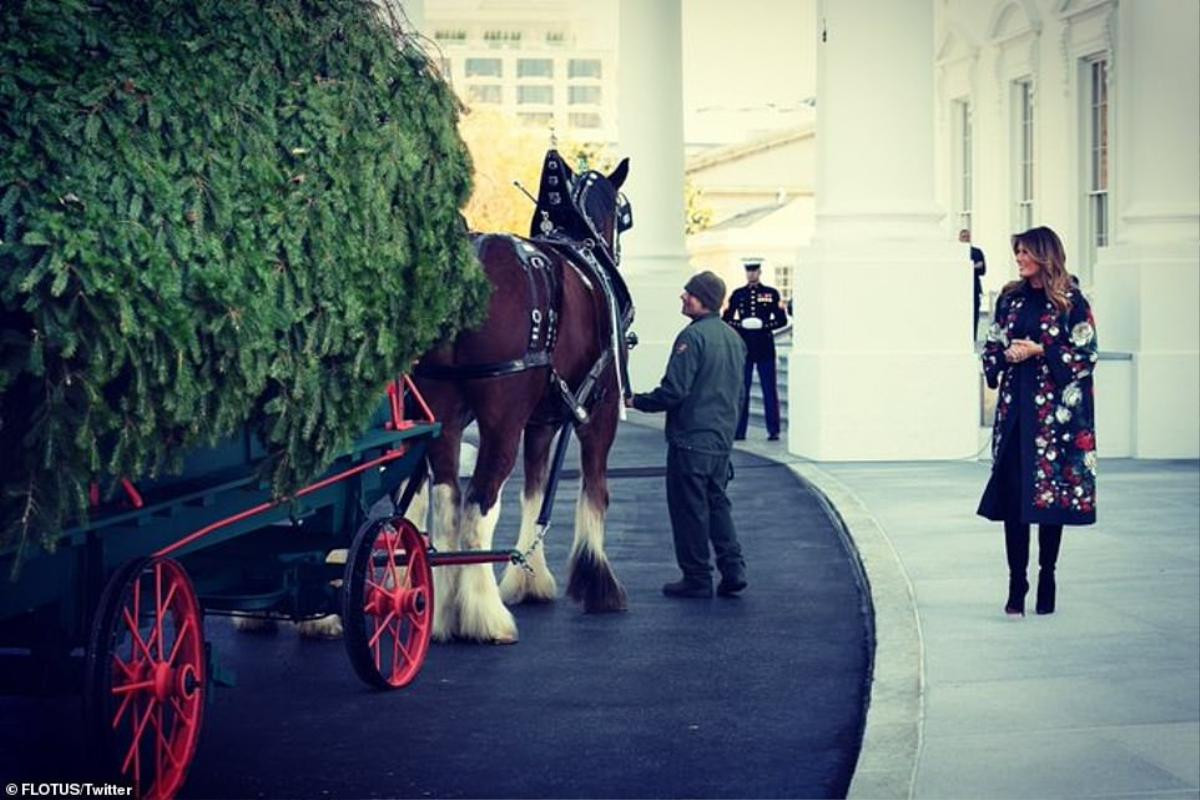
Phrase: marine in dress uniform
{"type": "Point", "coordinates": [756, 312]}
{"type": "Point", "coordinates": [979, 263]}
{"type": "Point", "coordinates": [700, 392]}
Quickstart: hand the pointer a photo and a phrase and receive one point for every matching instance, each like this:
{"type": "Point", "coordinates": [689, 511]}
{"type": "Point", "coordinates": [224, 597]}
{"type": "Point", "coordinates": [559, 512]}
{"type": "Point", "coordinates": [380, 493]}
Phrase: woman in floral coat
{"type": "Point", "coordinates": [1041, 349]}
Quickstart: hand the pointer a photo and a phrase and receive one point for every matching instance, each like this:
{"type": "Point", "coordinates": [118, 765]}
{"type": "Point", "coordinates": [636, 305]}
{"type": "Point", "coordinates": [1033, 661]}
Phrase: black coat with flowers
{"type": "Point", "coordinates": [1051, 398]}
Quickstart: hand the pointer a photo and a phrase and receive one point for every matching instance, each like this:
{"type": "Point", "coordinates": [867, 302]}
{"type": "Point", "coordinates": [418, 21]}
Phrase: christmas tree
{"type": "Point", "coordinates": [213, 214]}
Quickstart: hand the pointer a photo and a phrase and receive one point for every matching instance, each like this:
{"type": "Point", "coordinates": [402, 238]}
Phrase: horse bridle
{"type": "Point", "coordinates": [610, 250]}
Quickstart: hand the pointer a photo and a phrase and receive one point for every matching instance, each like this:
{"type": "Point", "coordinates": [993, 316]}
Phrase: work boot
{"type": "Point", "coordinates": [731, 585]}
{"type": "Point", "coordinates": [688, 587]}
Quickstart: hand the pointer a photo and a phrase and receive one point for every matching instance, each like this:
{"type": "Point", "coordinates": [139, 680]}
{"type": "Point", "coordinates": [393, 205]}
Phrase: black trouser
{"type": "Point", "coordinates": [1016, 546]}
{"type": "Point", "coordinates": [701, 512]}
{"type": "Point", "coordinates": [770, 389]}
{"type": "Point", "coordinates": [975, 320]}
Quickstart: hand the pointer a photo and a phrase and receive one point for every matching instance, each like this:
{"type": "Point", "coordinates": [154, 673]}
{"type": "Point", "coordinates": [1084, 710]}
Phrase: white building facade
{"type": "Point", "coordinates": [1084, 115]}
{"type": "Point", "coordinates": [931, 115]}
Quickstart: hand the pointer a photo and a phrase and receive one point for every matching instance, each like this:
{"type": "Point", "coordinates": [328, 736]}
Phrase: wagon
{"type": "Point", "coordinates": [130, 588]}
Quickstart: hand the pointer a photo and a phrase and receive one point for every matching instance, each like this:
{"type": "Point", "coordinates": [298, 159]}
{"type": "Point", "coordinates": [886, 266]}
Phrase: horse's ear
{"type": "Point", "coordinates": [619, 174]}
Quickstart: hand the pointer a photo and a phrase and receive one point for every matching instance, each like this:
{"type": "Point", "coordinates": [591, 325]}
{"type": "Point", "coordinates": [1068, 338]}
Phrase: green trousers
{"type": "Point", "coordinates": [701, 512]}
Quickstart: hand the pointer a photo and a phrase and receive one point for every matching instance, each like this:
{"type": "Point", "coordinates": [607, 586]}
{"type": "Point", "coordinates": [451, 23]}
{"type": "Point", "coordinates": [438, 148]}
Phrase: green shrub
{"type": "Point", "coordinates": [213, 214]}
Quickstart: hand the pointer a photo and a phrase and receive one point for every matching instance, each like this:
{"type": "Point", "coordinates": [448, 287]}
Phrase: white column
{"type": "Point", "coordinates": [883, 365]}
{"type": "Point", "coordinates": [650, 123]}
{"type": "Point", "coordinates": [1148, 280]}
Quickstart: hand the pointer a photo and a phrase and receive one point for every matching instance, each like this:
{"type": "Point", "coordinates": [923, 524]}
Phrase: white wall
{"type": "Point", "coordinates": [1144, 285]}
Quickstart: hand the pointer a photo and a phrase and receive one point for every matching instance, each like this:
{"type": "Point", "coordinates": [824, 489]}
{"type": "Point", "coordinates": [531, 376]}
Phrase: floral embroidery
{"type": "Point", "coordinates": [1064, 457]}
{"type": "Point", "coordinates": [1072, 394]}
{"type": "Point", "coordinates": [1082, 334]}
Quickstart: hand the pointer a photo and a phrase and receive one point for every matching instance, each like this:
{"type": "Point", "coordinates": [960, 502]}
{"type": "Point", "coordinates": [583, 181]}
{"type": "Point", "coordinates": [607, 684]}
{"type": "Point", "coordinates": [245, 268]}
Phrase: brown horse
{"type": "Point", "coordinates": [547, 317]}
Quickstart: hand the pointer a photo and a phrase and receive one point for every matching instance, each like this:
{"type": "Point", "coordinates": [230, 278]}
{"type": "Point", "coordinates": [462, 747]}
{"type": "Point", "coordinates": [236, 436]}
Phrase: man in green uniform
{"type": "Point", "coordinates": [701, 393]}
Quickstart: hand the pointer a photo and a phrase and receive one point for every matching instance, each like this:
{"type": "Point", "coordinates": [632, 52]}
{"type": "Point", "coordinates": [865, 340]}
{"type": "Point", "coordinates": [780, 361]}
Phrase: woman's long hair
{"type": "Point", "coordinates": [1047, 250]}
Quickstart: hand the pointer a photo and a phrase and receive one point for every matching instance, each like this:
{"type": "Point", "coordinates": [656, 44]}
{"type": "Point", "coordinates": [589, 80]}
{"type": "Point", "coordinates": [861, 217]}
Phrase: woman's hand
{"type": "Point", "coordinates": [1021, 349]}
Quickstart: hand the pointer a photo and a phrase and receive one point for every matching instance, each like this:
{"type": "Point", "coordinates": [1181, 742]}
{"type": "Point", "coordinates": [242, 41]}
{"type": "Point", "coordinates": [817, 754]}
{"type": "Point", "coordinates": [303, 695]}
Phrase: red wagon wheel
{"type": "Point", "coordinates": [144, 697]}
{"type": "Point", "coordinates": [388, 603]}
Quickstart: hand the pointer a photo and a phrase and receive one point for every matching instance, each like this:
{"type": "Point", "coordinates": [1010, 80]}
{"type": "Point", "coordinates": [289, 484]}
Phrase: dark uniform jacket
{"type": "Point", "coordinates": [1045, 407]}
{"type": "Point", "coordinates": [702, 389]}
{"type": "Point", "coordinates": [760, 302]}
{"type": "Point", "coordinates": [980, 264]}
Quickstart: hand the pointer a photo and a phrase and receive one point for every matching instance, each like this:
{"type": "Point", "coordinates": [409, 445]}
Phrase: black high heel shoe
{"type": "Point", "coordinates": [1045, 592]}
{"type": "Point", "coordinates": [1017, 587]}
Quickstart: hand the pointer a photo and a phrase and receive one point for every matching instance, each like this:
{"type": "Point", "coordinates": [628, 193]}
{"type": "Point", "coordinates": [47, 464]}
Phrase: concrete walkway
{"type": "Point", "coordinates": [1101, 699]}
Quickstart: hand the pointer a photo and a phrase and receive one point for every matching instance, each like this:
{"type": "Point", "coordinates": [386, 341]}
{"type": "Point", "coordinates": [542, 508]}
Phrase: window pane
{"type": "Point", "coordinates": [536, 119]}
{"type": "Point", "coordinates": [484, 93]}
{"type": "Point", "coordinates": [578, 120]}
{"type": "Point", "coordinates": [535, 94]}
{"type": "Point", "coordinates": [583, 68]}
{"type": "Point", "coordinates": [535, 68]}
{"type": "Point", "coordinates": [584, 95]}
{"type": "Point", "coordinates": [484, 66]}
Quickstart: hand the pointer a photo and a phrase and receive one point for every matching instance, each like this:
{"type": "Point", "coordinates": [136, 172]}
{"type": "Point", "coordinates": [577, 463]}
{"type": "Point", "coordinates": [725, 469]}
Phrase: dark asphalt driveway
{"type": "Point", "coordinates": [760, 696]}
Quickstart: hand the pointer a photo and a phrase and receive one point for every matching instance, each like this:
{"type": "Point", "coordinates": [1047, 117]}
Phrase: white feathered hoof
{"type": "Point", "coordinates": [254, 624]}
{"type": "Point", "coordinates": [519, 585]}
{"type": "Point", "coordinates": [445, 603]}
{"type": "Point", "coordinates": [482, 616]}
{"type": "Point", "coordinates": [327, 627]}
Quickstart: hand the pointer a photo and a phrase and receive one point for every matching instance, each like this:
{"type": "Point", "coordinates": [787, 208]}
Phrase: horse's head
{"type": "Point", "coordinates": [605, 210]}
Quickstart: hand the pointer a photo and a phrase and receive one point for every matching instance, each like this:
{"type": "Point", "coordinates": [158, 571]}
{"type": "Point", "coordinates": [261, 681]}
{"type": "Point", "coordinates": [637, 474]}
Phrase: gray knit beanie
{"type": "Point", "coordinates": [708, 288]}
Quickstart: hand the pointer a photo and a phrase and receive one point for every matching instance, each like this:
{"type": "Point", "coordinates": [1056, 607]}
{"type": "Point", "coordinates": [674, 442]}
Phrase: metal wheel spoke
{"type": "Point", "coordinates": [158, 751]}
{"type": "Point", "coordinates": [163, 745]}
{"type": "Point", "coordinates": [127, 688]}
{"type": "Point", "coordinates": [158, 609]}
{"type": "Point", "coordinates": [137, 636]}
{"type": "Point", "coordinates": [126, 702]}
{"type": "Point", "coordinates": [139, 729]}
{"type": "Point", "coordinates": [179, 709]}
{"type": "Point", "coordinates": [395, 657]}
{"type": "Point", "coordinates": [128, 669]}
{"type": "Point", "coordinates": [390, 541]}
{"type": "Point", "coordinates": [170, 595]}
{"type": "Point", "coordinates": [414, 619]}
{"type": "Point", "coordinates": [381, 627]}
{"type": "Point", "coordinates": [408, 658]}
{"type": "Point", "coordinates": [179, 639]}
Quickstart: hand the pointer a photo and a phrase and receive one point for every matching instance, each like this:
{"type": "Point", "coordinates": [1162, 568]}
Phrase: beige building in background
{"type": "Point", "coordinates": [761, 195]}
{"type": "Point", "coordinates": [550, 63]}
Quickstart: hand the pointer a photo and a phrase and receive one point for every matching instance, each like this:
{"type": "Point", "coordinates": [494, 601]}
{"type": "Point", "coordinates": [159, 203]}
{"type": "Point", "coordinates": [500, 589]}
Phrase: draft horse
{"type": "Point", "coordinates": [547, 328]}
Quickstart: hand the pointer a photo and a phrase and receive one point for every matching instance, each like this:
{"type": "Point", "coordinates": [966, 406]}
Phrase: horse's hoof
{"type": "Point", "coordinates": [254, 624]}
{"type": "Point", "coordinates": [605, 606]}
{"type": "Point", "coordinates": [505, 640]}
{"type": "Point", "coordinates": [518, 586]}
{"type": "Point", "coordinates": [327, 627]}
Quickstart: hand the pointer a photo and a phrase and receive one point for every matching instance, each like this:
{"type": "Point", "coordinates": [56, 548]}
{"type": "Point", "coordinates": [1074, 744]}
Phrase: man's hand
{"type": "Point", "coordinates": [629, 402]}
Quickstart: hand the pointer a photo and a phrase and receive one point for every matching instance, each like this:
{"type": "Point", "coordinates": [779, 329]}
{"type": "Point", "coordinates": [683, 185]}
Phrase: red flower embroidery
{"type": "Point", "coordinates": [1085, 441]}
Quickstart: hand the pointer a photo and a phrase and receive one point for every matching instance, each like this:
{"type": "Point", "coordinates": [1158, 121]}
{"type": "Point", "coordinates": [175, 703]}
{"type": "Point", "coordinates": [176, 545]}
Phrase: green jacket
{"type": "Point", "coordinates": [702, 389]}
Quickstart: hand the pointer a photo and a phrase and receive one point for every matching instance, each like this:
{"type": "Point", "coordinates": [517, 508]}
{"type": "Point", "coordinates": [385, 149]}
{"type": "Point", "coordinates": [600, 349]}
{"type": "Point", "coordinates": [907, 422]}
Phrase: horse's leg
{"type": "Point", "coordinates": [482, 614]}
{"type": "Point", "coordinates": [444, 502]}
{"type": "Point", "coordinates": [591, 580]}
{"type": "Point", "coordinates": [520, 584]}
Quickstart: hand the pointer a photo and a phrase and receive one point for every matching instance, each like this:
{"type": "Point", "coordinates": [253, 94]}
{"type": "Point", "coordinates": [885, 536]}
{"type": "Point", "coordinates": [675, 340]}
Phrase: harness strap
{"type": "Point", "coordinates": [496, 369]}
